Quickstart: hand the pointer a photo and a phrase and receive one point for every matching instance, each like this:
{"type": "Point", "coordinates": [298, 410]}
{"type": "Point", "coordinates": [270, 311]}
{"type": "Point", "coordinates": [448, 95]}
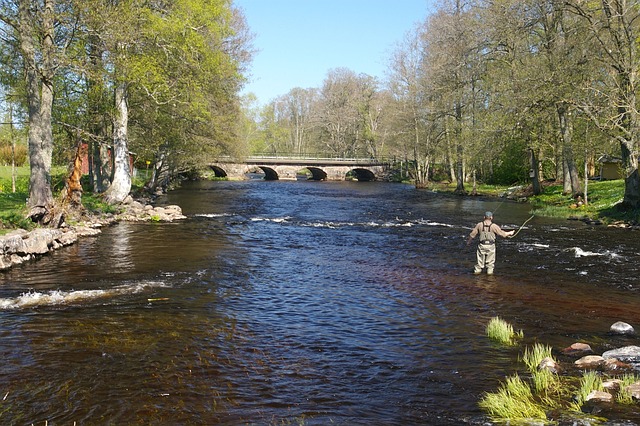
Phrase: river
{"type": "Point", "coordinates": [295, 302]}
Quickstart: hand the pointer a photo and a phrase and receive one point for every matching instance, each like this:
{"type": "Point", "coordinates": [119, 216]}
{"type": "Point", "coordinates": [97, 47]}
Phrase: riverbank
{"type": "Point", "coordinates": [19, 245]}
{"type": "Point", "coordinates": [601, 208]}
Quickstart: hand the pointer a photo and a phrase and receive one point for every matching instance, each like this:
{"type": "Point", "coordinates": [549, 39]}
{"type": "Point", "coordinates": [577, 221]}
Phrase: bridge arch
{"type": "Point", "coordinates": [218, 171]}
{"type": "Point", "coordinates": [269, 173]}
{"type": "Point", "coordinates": [317, 173]}
{"type": "Point", "coordinates": [363, 175]}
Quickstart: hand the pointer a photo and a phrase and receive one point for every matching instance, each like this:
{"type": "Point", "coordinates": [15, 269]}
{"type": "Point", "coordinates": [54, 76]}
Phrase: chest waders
{"type": "Point", "coordinates": [486, 253]}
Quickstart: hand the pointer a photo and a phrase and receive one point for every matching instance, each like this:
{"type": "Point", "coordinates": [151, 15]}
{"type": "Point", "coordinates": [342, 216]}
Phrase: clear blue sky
{"type": "Point", "coordinates": [299, 41]}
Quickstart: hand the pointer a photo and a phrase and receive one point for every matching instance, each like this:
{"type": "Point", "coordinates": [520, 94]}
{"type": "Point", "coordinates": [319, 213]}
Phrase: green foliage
{"type": "Point", "coordinates": [532, 357]}
{"type": "Point", "coordinates": [511, 166]}
{"type": "Point", "coordinates": [624, 395]}
{"type": "Point", "coordinates": [95, 204]}
{"type": "Point", "coordinates": [603, 200]}
{"type": "Point", "coordinates": [513, 401]}
{"type": "Point", "coordinates": [502, 332]}
{"type": "Point", "coordinates": [590, 381]}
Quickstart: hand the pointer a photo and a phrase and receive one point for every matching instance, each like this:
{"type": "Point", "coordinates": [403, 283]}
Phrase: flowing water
{"type": "Point", "coordinates": [302, 303]}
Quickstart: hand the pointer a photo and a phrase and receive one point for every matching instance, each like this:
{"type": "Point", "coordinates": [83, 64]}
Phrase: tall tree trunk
{"type": "Point", "coordinates": [39, 88]}
{"type": "Point", "coordinates": [459, 150]}
{"type": "Point", "coordinates": [533, 173]}
{"type": "Point", "coordinates": [121, 184]}
{"type": "Point", "coordinates": [628, 143]}
{"type": "Point", "coordinates": [99, 160]}
{"type": "Point", "coordinates": [566, 133]}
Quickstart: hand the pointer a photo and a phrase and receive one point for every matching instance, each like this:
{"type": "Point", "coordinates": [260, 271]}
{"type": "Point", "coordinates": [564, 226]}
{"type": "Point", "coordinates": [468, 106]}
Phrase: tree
{"type": "Point", "coordinates": [610, 97]}
{"type": "Point", "coordinates": [408, 111]}
{"type": "Point", "coordinates": [454, 68]}
{"type": "Point", "coordinates": [29, 27]}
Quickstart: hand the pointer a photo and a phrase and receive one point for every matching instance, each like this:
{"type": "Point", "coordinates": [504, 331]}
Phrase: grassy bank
{"type": "Point", "coordinates": [602, 202]}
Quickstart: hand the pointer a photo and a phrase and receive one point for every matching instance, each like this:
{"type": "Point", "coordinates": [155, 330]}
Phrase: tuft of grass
{"type": "Point", "coordinates": [95, 204]}
{"type": "Point", "coordinates": [501, 331]}
{"type": "Point", "coordinates": [624, 395]}
{"type": "Point", "coordinates": [513, 401]}
{"type": "Point", "coordinates": [590, 381]}
{"type": "Point", "coordinates": [534, 356]}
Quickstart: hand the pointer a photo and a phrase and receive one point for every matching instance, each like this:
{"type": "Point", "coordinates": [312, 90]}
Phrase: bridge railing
{"type": "Point", "coordinates": [314, 157]}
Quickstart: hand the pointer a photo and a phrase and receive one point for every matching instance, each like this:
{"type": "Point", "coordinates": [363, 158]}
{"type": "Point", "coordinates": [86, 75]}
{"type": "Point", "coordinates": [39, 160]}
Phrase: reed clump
{"type": "Point", "coordinates": [590, 381]}
{"type": "Point", "coordinates": [502, 332]}
{"type": "Point", "coordinates": [624, 395]}
{"type": "Point", "coordinates": [514, 400]}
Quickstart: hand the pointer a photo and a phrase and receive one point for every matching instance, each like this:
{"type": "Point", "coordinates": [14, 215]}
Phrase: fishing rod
{"type": "Point", "coordinates": [522, 226]}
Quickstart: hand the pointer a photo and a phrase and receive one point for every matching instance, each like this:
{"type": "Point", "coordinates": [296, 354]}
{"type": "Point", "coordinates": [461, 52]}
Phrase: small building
{"type": "Point", "coordinates": [610, 167]}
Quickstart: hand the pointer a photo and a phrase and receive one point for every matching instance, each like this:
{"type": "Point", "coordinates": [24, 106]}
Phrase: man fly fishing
{"type": "Point", "coordinates": [486, 252]}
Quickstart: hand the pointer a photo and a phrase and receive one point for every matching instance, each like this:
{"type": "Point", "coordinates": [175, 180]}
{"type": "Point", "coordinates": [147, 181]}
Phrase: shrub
{"type": "Point", "coordinates": [20, 155]}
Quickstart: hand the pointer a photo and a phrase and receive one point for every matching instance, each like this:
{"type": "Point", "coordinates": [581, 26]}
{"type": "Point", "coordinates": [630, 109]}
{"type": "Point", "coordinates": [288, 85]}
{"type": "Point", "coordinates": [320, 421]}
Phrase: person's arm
{"type": "Point", "coordinates": [496, 229]}
{"type": "Point", "coordinates": [473, 234]}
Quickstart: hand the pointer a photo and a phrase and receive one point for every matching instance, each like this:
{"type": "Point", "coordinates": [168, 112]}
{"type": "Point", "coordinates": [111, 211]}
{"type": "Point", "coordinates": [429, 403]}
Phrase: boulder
{"type": "Point", "coordinates": [612, 385]}
{"type": "Point", "coordinates": [549, 364]}
{"type": "Point", "coordinates": [625, 354]}
{"type": "Point", "coordinates": [577, 349]}
{"type": "Point", "coordinates": [622, 328]}
{"type": "Point", "coordinates": [590, 361]}
{"type": "Point", "coordinates": [634, 390]}
{"type": "Point", "coordinates": [599, 396]}
{"type": "Point", "coordinates": [613, 364]}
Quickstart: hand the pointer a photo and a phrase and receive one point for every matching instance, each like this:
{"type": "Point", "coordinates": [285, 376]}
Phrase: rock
{"type": "Point", "coordinates": [622, 328]}
{"type": "Point", "coordinates": [634, 390]}
{"type": "Point", "coordinates": [19, 246]}
{"type": "Point", "coordinates": [590, 361]}
{"type": "Point", "coordinates": [599, 396]}
{"type": "Point", "coordinates": [40, 240]}
{"type": "Point", "coordinates": [612, 385]}
{"type": "Point", "coordinates": [577, 349]}
{"type": "Point", "coordinates": [67, 238]}
{"type": "Point", "coordinates": [613, 364]}
{"type": "Point", "coordinates": [549, 364]}
{"type": "Point", "coordinates": [626, 354]}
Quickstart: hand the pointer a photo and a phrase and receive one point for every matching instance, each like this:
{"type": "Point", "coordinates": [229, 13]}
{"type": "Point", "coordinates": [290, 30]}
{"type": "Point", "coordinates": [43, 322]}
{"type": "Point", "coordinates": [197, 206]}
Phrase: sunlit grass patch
{"type": "Point", "coordinates": [624, 394]}
{"type": "Point", "coordinates": [534, 356]}
{"type": "Point", "coordinates": [589, 382]}
{"type": "Point", "coordinates": [512, 401]}
{"type": "Point", "coordinates": [502, 332]}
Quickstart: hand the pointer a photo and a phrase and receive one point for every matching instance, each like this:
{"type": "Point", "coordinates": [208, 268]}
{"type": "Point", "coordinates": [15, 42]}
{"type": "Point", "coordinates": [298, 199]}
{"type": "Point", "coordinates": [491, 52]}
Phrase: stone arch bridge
{"type": "Point", "coordinates": [290, 168]}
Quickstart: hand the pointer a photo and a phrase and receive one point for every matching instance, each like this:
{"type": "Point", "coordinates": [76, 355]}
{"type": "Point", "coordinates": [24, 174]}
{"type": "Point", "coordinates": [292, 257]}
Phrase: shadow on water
{"type": "Point", "coordinates": [301, 302]}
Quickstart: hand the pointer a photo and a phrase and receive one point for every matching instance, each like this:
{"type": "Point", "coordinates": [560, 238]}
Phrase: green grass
{"type": "Point", "coordinates": [590, 381]}
{"type": "Point", "coordinates": [512, 401]}
{"type": "Point", "coordinates": [603, 200]}
{"type": "Point", "coordinates": [534, 356]}
{"type": "Point", "coordinates": [502, 332]}
{"type": "Point", "coordinates": [624, 395]}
